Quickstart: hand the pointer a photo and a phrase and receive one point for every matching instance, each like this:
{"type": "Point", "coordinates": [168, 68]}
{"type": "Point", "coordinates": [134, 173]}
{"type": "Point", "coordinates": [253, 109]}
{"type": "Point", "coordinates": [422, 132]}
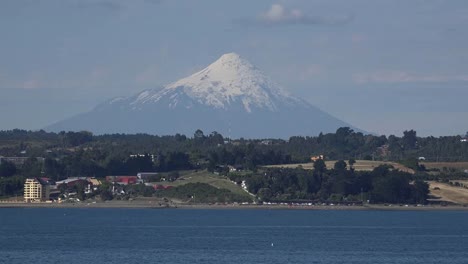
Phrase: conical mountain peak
{"type": "Point", "coordinates": [232, 56]}
{"type": "Point", "coordinates": [232, 59]}
{"type": "Point", "coordinates": [230, 96]}
{"type": "Point", "coordinates": [231, 79]}
{"type": "Point", "coordinates": [227, 70]}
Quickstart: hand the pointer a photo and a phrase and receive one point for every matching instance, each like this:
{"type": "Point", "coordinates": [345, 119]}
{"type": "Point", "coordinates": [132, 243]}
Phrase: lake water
{"type": "Point", "coordinates": [53, 235]}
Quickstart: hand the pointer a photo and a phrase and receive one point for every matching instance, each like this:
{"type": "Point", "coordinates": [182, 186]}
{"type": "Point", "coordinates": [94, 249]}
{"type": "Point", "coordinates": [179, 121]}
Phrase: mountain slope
{"type": "Point", "coordinates": [230, 96]}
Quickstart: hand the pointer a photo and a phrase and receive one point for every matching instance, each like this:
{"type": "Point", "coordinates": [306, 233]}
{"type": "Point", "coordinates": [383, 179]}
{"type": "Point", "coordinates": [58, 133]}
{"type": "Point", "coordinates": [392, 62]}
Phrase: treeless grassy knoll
{"type": "Point", "coordinates": [449, 193]}
{"type": "Point", "coordinates": [218, 181]}
{"type": "Point", "coordinates": [441, 165]}
{"type": "Point", "coordinates": [360, 165]}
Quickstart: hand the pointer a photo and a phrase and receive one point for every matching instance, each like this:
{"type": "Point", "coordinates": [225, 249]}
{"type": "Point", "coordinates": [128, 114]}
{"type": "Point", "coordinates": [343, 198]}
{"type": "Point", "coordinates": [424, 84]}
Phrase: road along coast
{"type": "Point", "coordinates": [157, 205]}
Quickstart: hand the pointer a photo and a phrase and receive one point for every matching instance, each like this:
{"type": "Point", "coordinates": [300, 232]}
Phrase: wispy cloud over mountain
{"type": "Point", "coordinates": [278, 14]}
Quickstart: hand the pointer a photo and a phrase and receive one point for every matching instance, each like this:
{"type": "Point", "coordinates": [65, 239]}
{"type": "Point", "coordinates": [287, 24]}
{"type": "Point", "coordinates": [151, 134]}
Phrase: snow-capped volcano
{"type": "Point", "coordinates": [229, 80]}
{"type": "Point", "coordinates": [230, 96]}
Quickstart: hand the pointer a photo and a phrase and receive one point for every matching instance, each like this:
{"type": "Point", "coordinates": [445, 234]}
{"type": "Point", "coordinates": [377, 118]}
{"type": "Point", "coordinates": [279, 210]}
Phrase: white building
{"type": "Point", "coordinates": [36, 190]}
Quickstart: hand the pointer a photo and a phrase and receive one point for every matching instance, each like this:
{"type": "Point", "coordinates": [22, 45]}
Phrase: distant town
{"type": "Point", "coordinates": [345, 168]}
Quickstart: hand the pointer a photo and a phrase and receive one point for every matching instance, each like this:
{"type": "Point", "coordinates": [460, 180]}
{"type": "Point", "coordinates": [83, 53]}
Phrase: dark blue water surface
{"type": "Point", "coordinates": [74, 235]}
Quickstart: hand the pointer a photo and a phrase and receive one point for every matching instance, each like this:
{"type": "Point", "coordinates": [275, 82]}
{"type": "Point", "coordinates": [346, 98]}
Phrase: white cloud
{"type": "Point", "coordinates": [405, 77]}
{"type": "Point", "coordinates": [28, 81]}
{"type": "Point", "coordinates": [30, 84]}
{"type": "Point", "coordinates": [32, 81]}
{"type": "Point", "coordinates": [278, 14]}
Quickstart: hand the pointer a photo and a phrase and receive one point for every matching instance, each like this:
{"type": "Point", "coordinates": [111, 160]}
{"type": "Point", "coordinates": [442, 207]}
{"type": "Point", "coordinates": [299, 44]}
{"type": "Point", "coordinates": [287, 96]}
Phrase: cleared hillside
{"type": "Point", "coordinates": [449, 193]}
{"type": "Point", "coordinates": [442, 165]}
{"type": "Point", "coordinates": [218, 181]}
{"type": "Point", "coordinates": [360, 165]}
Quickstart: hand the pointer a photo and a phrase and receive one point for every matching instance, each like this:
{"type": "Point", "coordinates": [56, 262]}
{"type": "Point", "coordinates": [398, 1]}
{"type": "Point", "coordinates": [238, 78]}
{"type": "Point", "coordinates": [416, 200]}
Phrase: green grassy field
{"type": "Point", "coordinates": [218, 181]}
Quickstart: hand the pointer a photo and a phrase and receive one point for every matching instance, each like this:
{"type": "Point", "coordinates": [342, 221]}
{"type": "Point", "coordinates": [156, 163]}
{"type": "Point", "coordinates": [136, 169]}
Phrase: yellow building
{"type": "Point", "coordinates": [36, 190]}
{"type": "Point", "coordinates": [94, 181]}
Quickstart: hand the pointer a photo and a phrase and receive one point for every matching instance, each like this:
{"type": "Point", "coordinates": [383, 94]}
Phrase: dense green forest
{"type": "Point", "coordinates": [338, 184]}
{"type": "Point", "coordinates": [73, 154]}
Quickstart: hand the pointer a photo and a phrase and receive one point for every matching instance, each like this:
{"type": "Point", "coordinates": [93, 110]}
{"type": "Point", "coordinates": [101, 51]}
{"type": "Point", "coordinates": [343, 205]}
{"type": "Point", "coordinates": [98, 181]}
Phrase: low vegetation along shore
{"type": "Point", "coordinates": [162, 205]}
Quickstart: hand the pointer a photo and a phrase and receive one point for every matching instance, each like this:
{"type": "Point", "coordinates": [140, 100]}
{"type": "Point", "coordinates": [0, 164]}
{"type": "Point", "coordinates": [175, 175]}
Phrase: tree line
{"type": "Point", "coordinates": [343, 144]}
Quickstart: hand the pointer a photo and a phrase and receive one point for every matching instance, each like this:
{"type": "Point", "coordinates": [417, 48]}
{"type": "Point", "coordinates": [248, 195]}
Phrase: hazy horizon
{"type": "Point", "coordinates": [384, 67]}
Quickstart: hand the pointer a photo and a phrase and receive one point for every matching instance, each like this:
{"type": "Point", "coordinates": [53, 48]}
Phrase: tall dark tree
{"type": "Point", "coordinates": [7, 169]}
{"type": "Point", "coordinates": [420, 192]}
{"type": "Point", "coordinates": [351, 162]}
{"type": "Point", "coordinates": [320, 166]}
{"type": "Point", "coordinates": [53, 169]}
{"type": "Point", "coordinates": [198, 134]}
{"type": "Point", "coordinates": [77, 138]}
{"type": "Point", "coordinates": [409, 139]}
{"type": "Point", "coordinates": [215, 138]}
{"type": "Point", "coordinates": [31, 168]}
{"type": "Point", "coordinates": [340, 165]}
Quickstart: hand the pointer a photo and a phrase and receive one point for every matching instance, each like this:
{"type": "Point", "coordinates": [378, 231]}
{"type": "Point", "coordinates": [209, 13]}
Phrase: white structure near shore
{"type": "Point", "coordinates": [36, 190]}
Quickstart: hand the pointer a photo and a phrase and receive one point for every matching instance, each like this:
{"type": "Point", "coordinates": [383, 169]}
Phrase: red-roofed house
{"type": "Point", "coordinates": [122, 179]}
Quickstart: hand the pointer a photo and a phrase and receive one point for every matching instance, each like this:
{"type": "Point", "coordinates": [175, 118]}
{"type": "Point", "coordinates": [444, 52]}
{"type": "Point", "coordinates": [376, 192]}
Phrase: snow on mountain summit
{"type": "Point", "coordinates": [228, 80]}
{"type": "Point", "coordinates": [230, 96]}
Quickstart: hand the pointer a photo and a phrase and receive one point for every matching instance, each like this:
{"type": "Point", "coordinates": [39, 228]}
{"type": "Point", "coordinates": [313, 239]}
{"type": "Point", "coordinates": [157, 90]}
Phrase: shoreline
{"type": "Point", "coordinates": [148, 205]}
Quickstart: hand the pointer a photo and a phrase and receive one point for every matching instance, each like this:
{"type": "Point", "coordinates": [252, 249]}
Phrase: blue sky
{"type": "Point", "coordinates": [383, 66]}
